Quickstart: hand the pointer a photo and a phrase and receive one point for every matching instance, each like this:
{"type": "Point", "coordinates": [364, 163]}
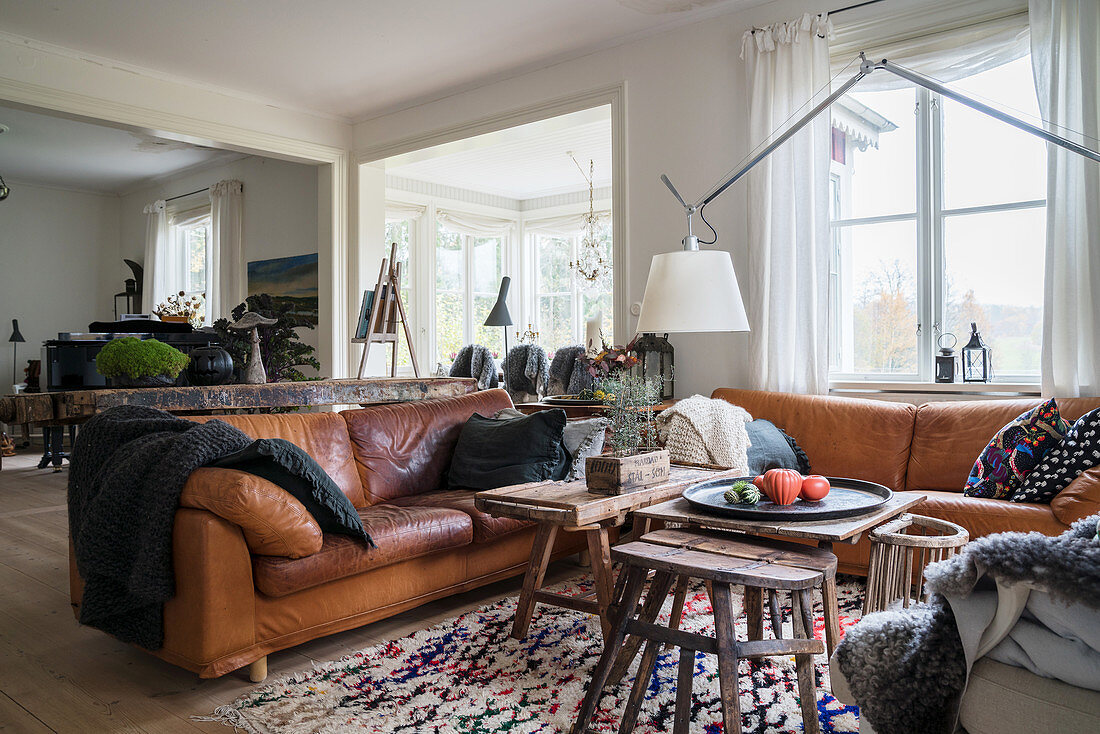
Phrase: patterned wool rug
{"type": "Point", "coordinates": [467, 676]}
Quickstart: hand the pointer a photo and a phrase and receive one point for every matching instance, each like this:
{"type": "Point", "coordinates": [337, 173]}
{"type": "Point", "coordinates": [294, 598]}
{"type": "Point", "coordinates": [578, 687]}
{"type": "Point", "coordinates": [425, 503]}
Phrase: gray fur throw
{"type": "Point", "coordinates": [907, 669]}
{"type": "Point", "coordinates": [474, 360]}
{"type": "Point", "coordinates": [1067, 566]}
{"type": "Point", "coordinates": [566, 375]}
{"type": "Point", "coordinates": [526, 371]}
{"type": "Point", "coordinates": [126, 474]}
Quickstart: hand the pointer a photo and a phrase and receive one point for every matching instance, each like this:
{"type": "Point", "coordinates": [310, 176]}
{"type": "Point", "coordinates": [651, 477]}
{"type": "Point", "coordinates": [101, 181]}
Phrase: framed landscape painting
{"type": "Point", "coordinates": [291, 279]}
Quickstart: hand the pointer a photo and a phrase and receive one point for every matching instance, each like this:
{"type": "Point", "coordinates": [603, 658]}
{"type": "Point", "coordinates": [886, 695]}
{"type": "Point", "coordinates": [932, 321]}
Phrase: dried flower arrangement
{"type": "Point", "coordinates": [183, 307]}
{"type": "Point", "coordinates": [609, 360]}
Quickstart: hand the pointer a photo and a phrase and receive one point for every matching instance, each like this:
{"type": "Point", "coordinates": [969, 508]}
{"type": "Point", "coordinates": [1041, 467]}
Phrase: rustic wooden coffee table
{"type": "Point", "coordinates": [570, 507]}
{"type": "Point", "coordinates": [679, 512]}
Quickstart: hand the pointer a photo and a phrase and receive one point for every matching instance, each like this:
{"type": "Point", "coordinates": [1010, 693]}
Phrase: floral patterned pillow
{"type": "Point", "coordinates": [1015, 451]}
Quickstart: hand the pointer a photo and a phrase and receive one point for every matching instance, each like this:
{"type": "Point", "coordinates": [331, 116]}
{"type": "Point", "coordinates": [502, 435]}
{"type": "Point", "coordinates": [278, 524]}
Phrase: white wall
{"type": "Point", "coordinates": [280, 212]}
{"type": "Point", "coordinates": [57, 271]}
{"type": "Point", "coordinates": [685, 116]}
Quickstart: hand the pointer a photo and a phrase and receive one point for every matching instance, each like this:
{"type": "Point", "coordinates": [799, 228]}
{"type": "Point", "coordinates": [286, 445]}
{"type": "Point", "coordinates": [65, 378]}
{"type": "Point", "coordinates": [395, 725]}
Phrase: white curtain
{"type": "Point", "coordinates": [225, 265]}
{"type": "Point", "coordinates": [564, 226]}
{"type": "Point", "coordinates": [1065, 55]}
{"type": "Point", "coordinates": [787, 65]}
{"type": "Point", "coordinates": [476, 225]}
{"type": "Point", "coordinates": [944, 39]}
{"type": "Point", "coordinates": [160, 270]}
{"type": "Point", "coordinates": [397, 211]}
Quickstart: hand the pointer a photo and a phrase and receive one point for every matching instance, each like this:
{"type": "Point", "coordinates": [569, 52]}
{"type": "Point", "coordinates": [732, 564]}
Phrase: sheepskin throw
{"type": "Point", "coordinates": [907, 668]}
{"type": "Point", "coordinates": [126, 474]}
{"type": "Point", "coordinates": [567, 376]}
{"type": "Point", "coordinates": [474, 360]}
{"type": "Point", "coordinates": [526, 372]}
{"type": "Point", "coordinates": [703, 430]}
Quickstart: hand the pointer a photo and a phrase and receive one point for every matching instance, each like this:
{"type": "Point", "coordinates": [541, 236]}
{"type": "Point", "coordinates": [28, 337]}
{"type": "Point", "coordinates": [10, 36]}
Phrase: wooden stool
{"type": "Point", "coordinates": [893, 546]}
{"type": "Point", "coordinates": [722, 571]}
{"type": "Point", "coordinates": [751, 548]}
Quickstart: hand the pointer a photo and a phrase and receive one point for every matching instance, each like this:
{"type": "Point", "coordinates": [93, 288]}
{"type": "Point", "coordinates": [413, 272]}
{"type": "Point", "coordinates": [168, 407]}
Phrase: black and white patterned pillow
{"type": "Point", "coordinates": [1079, 450]}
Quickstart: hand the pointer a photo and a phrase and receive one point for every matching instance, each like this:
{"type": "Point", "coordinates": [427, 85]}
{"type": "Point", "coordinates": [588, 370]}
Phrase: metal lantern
{"type": "Point", "coordinates": [655, 358]}
{"type": "Point", "coordinates": [947, 366]}
{"type": "Point", "coordinates": [977, 358]}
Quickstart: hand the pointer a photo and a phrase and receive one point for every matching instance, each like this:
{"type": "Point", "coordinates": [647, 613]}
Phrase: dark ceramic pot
{"type": "Point", "coordinates": [154, 381]}
{"type": "Point", "coordinates": [210, 365]}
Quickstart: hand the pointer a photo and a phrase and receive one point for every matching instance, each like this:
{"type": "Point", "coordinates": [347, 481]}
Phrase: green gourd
{"type": "Point", "coordinates": [742, 493]}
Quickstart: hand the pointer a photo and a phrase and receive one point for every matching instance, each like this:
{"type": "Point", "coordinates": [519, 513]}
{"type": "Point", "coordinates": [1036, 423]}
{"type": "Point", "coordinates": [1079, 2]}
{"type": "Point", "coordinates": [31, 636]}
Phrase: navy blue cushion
{"type": "Point", "coordinates": [1078, 451]}
{"type": "Point", "coordinates": [771, 448]}
{"type": "Point", "coordinates": [498, 453]}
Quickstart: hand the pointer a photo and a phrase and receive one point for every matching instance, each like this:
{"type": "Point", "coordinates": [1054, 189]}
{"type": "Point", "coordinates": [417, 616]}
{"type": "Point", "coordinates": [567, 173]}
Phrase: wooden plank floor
{"type": "Point", "coordinates": [58, 676]}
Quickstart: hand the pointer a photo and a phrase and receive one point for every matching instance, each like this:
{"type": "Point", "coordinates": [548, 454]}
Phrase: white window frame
{"type": "Point", "coordinates": [930, 217]}
{"type": "Point", "coordinates": [178, 254]}
{"type": "Point", "coordinates": [577, 292]}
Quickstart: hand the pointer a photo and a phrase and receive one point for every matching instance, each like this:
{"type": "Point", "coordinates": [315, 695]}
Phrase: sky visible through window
{"type": "Point", "coordinates": [993, 260]}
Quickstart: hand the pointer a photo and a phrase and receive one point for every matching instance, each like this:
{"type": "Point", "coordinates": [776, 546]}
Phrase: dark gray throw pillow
{"type": "Point", "coordinates": [288, 466]}
{"type": "Point", "coordinates": [497, 453]}
{"type": "Point", "coordinates": [771, 448]}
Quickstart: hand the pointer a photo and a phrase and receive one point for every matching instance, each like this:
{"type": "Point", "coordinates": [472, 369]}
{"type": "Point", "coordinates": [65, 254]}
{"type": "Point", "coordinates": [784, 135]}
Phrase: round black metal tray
{"type": "Point", "coordinates": [847, 498]}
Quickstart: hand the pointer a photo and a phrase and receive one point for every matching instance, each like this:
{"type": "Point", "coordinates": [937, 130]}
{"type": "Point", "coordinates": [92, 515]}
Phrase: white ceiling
{"type": "Point", "coordinates": [350, 58]}
{"type": "Point", "coordinates": [54, 151]}
{"type": "Point", "coordinates": [523, 162]}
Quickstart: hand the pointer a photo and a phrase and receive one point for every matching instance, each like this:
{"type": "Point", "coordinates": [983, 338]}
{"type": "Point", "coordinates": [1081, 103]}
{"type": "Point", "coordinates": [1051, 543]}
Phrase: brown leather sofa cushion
{"type": "Point", "coordinates": [982, 516]}
{"type": "Point", "coordinates": [405, 448]}
{"type": "Point", "coordinates": [274, 522]}
{"type": "Point", "coordinates": [843, 437]}
{"type": "Point", "coordinates": [950, 435]}
{"type": "Point", "coordinates": [324, 436]}
{"type": "Point", "coordinates": [1080, 499]}
{"type": "Point", "coordinates": [486, 527]}
{"type": "Point", "coordinates": [400, 533]}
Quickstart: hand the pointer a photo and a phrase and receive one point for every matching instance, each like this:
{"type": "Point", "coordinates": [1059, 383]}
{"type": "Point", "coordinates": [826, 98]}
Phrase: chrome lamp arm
{"type": "Point", "coordinates": [866, 67]}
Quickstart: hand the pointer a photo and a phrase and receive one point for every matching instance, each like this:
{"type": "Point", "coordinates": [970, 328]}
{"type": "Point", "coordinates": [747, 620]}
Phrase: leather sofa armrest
{"type": "Point", "coordinates": [1080, 499]}
{"type": "Point", "coordinates": [273, 521]}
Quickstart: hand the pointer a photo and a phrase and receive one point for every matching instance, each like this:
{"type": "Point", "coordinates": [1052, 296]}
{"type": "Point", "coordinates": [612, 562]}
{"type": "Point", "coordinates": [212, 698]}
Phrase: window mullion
{"type": "Point", "coordinates": [939, 260]}
{"type": "Point", "coordinates": [926, 259]}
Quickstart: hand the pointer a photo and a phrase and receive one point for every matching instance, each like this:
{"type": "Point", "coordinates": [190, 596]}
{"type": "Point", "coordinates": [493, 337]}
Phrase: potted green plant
{"type": "Point", "coordinates": [133, 362]}
{"type": "Point", "coordinates": [635, 461]}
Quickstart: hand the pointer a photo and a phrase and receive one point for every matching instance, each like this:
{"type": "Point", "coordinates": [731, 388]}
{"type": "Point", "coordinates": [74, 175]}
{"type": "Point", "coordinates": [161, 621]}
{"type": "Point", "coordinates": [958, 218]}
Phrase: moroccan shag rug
{"type": "Point", "coordinates": [467, 676]}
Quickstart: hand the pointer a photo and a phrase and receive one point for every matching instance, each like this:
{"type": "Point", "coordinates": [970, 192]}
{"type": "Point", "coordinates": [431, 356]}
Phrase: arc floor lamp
{"type": "Point", "coordinates": [696, 290]}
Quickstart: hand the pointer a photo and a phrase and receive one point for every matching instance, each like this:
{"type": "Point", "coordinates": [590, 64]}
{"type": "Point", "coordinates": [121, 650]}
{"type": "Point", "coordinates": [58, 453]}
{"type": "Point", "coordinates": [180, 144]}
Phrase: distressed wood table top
{"type": "Point", "coordinates": [571, 504]}
{"type": "Point", "coordinates": [843, 530]}
{"type": "Point", "coordinates": [76, 405]}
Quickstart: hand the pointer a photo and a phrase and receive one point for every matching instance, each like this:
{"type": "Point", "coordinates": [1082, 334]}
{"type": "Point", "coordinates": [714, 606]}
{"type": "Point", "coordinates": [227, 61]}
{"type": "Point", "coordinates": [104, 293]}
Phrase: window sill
{"type": "Point", "coordinates": [870, 388]}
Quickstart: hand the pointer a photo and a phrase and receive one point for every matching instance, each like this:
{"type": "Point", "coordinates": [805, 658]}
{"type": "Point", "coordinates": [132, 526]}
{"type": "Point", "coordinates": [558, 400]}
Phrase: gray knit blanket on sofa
{"type": "Point", "coordinates": [126, 475]}
{"type": "Point", "coordinates": [906, 668]}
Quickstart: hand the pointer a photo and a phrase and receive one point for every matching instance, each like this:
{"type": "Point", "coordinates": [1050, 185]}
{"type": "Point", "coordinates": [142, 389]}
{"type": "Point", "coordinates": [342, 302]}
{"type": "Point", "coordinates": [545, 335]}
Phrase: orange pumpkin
{"type": "Point", "coordinates": [758, 482]}
{"type": "Point", "coordinates": [814, 488]}
{"type": "Point", "coordinates": [782, 485]}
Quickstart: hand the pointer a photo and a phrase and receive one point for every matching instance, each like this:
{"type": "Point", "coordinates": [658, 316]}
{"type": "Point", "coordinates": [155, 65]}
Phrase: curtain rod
{"type": "Point", "coordinates": [181, 196]}
{"type": "Point", "coordinates": [853, 7]}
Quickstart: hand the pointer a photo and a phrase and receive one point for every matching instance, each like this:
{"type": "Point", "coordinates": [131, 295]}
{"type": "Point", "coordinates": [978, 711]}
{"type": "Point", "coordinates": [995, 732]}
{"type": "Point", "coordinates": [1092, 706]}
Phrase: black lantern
{"type": "Point", "coordinates": [655, 359]}
{"type": "Point", "coordinates": [946, 364]}
{"type": "Point", "coordinates": [977, 358]}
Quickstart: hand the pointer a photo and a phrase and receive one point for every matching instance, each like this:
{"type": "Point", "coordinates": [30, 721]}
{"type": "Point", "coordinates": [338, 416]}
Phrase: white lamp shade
{"type": "Point", "coordinates": [692, 290]}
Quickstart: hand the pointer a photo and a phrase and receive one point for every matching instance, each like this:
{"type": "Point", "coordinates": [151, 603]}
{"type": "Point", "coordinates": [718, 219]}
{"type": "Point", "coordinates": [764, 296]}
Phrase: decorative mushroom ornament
{"type": "Point", "coordinates": [254, 373]}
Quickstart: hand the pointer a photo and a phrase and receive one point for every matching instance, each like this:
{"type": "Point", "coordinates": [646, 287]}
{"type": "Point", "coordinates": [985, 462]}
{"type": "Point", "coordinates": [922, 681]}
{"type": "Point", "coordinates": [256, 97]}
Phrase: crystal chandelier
{"type": "Point", "coordinates": [590, 266]}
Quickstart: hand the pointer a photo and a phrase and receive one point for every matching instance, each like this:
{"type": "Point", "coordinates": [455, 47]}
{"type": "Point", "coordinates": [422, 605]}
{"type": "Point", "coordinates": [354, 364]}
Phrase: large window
{"type": "Point", "coordinates": [566, 302]}
{"type": "Point", "coordinates": [468, 270]}
{"type": "Point", "coordinates": [399, 231]}
{"type": "Point", "coordinates": [938, 221]}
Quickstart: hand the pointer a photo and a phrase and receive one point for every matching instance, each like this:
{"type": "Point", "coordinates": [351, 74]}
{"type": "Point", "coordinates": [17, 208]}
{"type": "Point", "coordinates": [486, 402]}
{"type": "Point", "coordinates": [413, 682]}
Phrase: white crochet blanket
{"type": "Point", "coordinates": [702, 430]}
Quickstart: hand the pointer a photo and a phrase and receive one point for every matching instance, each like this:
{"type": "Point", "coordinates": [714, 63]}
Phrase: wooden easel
{"type": "Point", "coordinates": [386, 311]}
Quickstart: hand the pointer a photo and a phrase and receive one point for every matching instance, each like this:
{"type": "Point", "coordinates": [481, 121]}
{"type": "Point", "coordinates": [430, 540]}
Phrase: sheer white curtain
{"type": "Point", "coordinates": [1065, 55]}
{"type": "Point", "coordinates": [476, 225]}
{"type": "Point", "coordinates": [787, 64]}
{"type": "Point", "coordinates": [225, 265]}
{"type": "Point", "coordinates": [160, 270]}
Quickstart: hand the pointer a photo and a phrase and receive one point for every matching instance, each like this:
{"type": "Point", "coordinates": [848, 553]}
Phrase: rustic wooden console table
{"type": "Point", "coordinates": [53, 411]}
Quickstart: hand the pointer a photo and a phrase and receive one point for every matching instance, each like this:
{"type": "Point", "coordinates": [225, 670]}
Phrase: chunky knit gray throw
{"type": "Point", "coordinates": [526, 371]}
{"type": "Point", "coordinates": [907, 669]}
{"type": "Point", "coordinates": [126, 474]}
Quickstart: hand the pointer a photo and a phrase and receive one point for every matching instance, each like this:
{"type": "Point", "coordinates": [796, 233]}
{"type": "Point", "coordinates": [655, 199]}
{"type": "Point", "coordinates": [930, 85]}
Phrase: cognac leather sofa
{"type": "Point", "coordinates": [927, 449]}
{"type": "Point", "coordinates": [254, 573]}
